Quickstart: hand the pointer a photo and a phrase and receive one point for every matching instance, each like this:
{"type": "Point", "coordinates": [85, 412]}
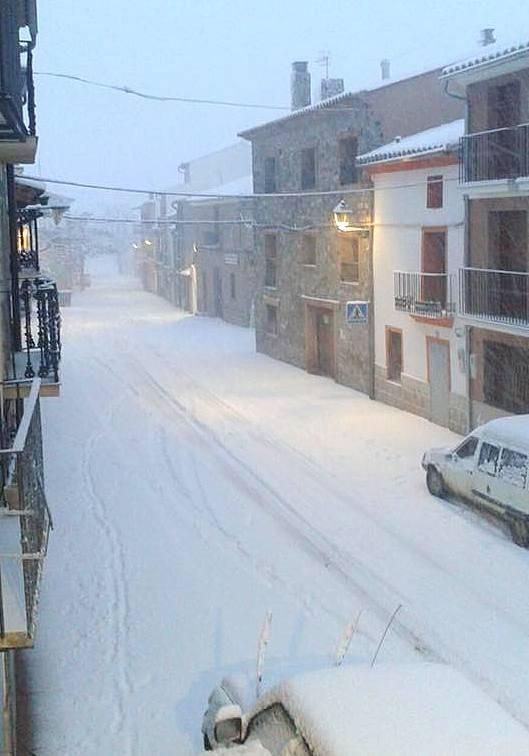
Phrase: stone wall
{"type": "Point", "coordinates": [413, 396]}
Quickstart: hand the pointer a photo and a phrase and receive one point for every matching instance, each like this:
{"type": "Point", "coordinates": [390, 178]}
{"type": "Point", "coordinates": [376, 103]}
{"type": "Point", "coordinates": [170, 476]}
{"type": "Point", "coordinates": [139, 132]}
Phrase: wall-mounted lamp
{"type": "Point", "coordinates": [343, 219]}
{"type": "Point", "coordinates": [135, 246]}
{"type": "Point", "coordinates": [147, 242]}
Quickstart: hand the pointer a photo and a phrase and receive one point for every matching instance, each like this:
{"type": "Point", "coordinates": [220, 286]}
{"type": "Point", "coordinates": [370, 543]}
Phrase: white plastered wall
{"type": "Point", "coordinates": [400, 216]}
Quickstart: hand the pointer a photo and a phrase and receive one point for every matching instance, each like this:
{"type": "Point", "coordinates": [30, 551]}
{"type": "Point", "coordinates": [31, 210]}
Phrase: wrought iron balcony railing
{"type": "Point", "coordinates": [41, 327]}
{"type": "Point", "coordinates": [426, 295]}
{"type": "Point", "coordinates": [17, 101]}
{"type": "Point", "coordinates": [496, 154]}
{"type": "Point", "coordinates": [497, 296]}
{"type": "Point", "coordinates": [24, 519]}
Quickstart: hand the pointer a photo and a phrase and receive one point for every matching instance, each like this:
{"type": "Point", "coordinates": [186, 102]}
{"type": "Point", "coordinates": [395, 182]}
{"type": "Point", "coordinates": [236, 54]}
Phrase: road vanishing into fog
{"type": "Point", "coordinates": [194, 485]}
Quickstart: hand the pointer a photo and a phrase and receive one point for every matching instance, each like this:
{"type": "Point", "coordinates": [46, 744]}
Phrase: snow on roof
{"type": "Point", "coordinates": [509, 430]}
{"type": "Point", "coordinates": [39, 186]}
{"type": "Point", "coordinates": [242, 185]}
{"type": "Point", "coordinates": [439, 138]}
{"type": "Point", "coordinates": [485, 56]}
{"type": "Point", "coordinates": [398, 710]}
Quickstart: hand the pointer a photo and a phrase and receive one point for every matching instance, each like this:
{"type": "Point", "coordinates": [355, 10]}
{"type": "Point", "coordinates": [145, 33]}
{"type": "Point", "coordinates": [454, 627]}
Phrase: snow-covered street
{"type": "Point", "coordinates": [195, 484]}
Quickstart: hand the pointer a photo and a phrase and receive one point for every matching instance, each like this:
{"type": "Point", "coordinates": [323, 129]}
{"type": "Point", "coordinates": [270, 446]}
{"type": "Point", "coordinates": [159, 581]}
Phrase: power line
{"type": "Point", "coordinates": [257, 195]}
{"type": "Point", "coordinates": [159, 98]}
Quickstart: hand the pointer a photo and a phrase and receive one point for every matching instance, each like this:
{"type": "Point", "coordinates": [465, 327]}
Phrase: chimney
{"type": "Point", "coordinates": [331, 88]}
{"type": "Point", "coordinates": [486, 37]}
{"type": "Point", "coordinates": [384, 69]}
{"type": "Point", "coordinates": [300, 85]}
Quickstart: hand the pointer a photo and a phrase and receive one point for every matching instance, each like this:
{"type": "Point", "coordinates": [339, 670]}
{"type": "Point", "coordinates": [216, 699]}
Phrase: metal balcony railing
{"type": "Point", "coordinates": [25, 519]}
{"type": "Point", "coordinates": [497, 296]}
{"type": "Point", "coordinates": [41, 325]}
{"type": "Point", "coordinates": [495, 154]}
{"type": "Point", "coordinates": [428, 295]}
{"type": "Point", "coordinates": [17, 100]}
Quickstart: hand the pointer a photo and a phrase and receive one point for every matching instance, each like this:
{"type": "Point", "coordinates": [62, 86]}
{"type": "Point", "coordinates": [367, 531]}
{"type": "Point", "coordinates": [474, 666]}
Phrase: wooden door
{"type": "Point", "coordinates": [325, 342]}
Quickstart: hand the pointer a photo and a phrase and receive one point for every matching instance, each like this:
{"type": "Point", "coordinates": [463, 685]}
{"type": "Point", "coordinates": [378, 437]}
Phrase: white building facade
{"type": "Point", "coordinates": [418, 246]}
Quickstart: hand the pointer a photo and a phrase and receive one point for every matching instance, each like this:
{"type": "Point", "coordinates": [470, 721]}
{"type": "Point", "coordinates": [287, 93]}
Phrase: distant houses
{"type": "Point", "coordinates": [374, 237]}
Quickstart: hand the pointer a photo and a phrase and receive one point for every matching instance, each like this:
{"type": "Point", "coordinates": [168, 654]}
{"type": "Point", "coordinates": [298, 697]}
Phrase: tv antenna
{"type": "Point", "coordinates": [324, 61]}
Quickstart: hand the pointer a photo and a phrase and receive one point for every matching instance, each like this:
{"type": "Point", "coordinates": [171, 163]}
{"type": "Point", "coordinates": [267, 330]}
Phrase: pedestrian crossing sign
{"type": "Point", "coordinates": [356, 312]}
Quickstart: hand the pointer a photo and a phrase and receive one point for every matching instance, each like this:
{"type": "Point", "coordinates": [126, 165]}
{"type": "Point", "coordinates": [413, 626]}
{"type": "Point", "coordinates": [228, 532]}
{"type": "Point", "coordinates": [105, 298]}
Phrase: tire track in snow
{"type": "Point", "coordinates": [116, 652]}
{"type": "Point", "coordinates": [354, 574]}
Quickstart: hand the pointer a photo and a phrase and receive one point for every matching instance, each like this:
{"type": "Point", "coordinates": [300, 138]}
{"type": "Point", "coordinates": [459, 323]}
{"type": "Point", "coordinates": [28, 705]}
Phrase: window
{"type": "Point", "coordinates": [347, 148]}
{"type": "Point", "coordinates": [270, 175]}
{"type": "Point", "coordinates": [308, 168]}
{"type": "Point", "coordinates": [394, 354]}
{"type": "Point", "coordinates": [467, 448]}
{"type": "Point", "coordinates": [433, 285]}
{"type": "Point", "coordinates": [513, 468]}
{"type": "Point", "coordinates": [350, 260]}
{"type": "Point", "coordinates": [271, 260]}
{"type": "Point", "coordinates": [271, 320]}
{"type": "Point", "coordinates": [506, 376]}
{"type": "Point", "coordinates": [308, 250]}
{"type": "Point", "coordinates": [488, 458]}
{"type": "Point", "coordinates": [232, 286]}
{"type": "Point", "coordinates": [275, 730]}
{"type": "Point", "coordinates": [434, 192]}
{"type": "Point", "coordinates": [212, 231]}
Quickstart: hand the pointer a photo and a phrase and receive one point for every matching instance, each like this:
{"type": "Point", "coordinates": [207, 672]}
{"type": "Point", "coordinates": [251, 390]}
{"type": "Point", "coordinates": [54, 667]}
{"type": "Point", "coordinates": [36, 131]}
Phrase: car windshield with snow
{"type": "Point", "coordinates": [359, 709]}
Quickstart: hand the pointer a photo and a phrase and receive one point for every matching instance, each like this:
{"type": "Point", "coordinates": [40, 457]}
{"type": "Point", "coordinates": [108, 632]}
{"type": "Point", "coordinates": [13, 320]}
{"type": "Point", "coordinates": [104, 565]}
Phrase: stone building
{"type": "Point", "coordinates": [313, 266]}
{"type": "Point", "coordinates": [494, 281]}
{"type": "Point", "coordinates": [221, 235]}
{"type": "Point", "coordinates": [418, 240]}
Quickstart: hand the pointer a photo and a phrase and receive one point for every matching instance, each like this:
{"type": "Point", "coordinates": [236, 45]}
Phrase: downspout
{"type": "Point", "coordinates": [371, 299]}
{"type": "Point", "coordinates": [16, 337]}
{"type": "Point", "coordinates": [466, 259]}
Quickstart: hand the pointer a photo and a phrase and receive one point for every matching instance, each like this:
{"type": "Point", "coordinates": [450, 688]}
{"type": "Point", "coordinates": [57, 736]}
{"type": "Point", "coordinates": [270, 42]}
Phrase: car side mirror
{"type": "Point", "coordinates": [228, 724]}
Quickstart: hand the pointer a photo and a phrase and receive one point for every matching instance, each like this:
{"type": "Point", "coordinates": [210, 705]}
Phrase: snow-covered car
{"type": "Point", "coordinates": [359, 709]}
{"type": "Point", "coordinates": [489, 468]}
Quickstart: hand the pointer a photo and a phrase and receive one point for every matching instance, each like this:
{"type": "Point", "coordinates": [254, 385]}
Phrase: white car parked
{"type": "Point", "coordinates": [489, 468]}
{"type": "Point", "coordinates": [358, 709]}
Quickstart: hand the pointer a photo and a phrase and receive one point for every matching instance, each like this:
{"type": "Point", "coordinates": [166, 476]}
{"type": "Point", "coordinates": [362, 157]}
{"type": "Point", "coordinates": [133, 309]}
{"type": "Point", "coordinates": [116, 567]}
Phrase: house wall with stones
{"type": "Point", "coordinates": [221, 247]}
{"type": "Point", "coordinates": [287, 302]}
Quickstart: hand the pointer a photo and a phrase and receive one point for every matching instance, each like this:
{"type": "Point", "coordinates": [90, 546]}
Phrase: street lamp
{"type": "Point", "coordinates": [343, 219]}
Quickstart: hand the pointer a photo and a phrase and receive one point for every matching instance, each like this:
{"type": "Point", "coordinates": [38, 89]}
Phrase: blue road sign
{"type": "Point", "coordinates": [356, 312]}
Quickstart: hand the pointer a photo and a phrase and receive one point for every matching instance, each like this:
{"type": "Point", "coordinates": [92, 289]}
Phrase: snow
{"type": "Point", "coordinates": [485, 55]}
{"type": "Point", "coordinates": [196, 484]}
{"type": "Point", "coordinates": [508, 430]}
{"type": "Point", "coordinates": [398, 710]}
{"type": "Point", "coordinates": [440, 138]}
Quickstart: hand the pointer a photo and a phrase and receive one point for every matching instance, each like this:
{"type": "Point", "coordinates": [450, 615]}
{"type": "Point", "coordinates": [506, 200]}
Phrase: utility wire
{"type": "Point", "coordinates": [159, 98]}
{"type": "Point", "coordinates": [258, 195]}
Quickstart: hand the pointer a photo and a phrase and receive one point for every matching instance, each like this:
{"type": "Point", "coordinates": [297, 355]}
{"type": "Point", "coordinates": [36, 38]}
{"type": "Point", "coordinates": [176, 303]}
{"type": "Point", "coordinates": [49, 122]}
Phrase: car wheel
{"type": "Point", "coordinates": [207, 744]}
{"type": "Point", "coordinates": [519, 532]}
{"type": "Point", "coordinates": [435, 482]}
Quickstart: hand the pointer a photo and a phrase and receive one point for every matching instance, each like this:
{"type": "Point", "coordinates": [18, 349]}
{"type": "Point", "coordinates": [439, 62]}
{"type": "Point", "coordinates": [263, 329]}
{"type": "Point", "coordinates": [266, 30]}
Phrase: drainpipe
{"type": "Point", "coordinates": [371, 306]}
{"type": "Point", "coordinates": [16, 335]}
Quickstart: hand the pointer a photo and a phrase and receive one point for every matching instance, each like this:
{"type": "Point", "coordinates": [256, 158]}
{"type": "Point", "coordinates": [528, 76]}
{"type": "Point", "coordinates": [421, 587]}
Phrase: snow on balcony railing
{"type": "Point", "coordinates": [498, 296]}
{"type": "Point", "coordinates": [24, 520]}
{"type": "Point", "coordinates": [427, 295]}
{"type": "Point", "coordinates": [495, 154]}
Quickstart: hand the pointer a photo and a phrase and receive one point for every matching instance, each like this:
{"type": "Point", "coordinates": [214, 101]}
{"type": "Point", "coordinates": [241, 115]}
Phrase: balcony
{"type": "Point", "coordinates": [24, 518]}
{"type": "Point", "coordinates": [40, 352]}
{"type": "Point", "coordinates": [497, 155]}
{"type": "Point", "coordinates": [425, 296]}
{"type": "Point", "coordinates": [494, 296]}
{"type": "Point", "coordinates": [17, 103]}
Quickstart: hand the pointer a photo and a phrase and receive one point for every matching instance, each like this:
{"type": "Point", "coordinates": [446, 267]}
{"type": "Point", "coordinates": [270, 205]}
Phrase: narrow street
{"type": "Point", "coordinates": [194, 485]}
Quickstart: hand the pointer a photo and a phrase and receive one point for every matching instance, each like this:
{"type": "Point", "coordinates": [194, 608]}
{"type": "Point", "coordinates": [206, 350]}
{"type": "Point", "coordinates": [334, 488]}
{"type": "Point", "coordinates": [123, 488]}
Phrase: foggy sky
{"type": "Point", "coordinates": [222, 49]}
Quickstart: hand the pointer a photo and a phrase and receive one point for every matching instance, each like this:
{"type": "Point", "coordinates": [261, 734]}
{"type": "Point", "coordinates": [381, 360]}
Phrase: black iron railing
{"type": "Point", "coordinates": [16, 78]}
{"type": "Point", "coordinates": [429, 295]}
{"type": "Point", "coordinates": [495, 295]}
{"type": "Point", "coordinates": [23, 495]}
{"type": "Point", "coordinates": [495, 154]}
{"type": "Point", "coordinates": [41, 325]}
